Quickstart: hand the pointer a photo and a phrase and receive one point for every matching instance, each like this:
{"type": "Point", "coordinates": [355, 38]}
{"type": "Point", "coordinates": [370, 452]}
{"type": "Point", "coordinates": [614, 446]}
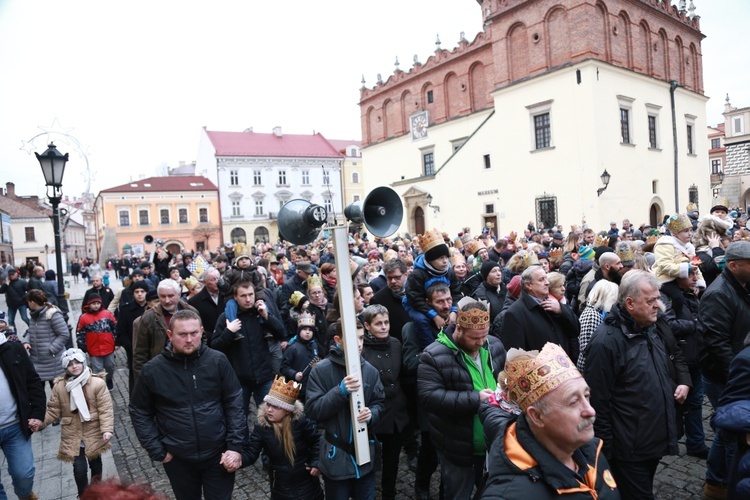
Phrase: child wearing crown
{"type": "Point", "coordinates": [290, 441]}
{"type": "Point", "coordinates": [301, 353]}
{"type": "Point", "coordinates": [432, 266]}
{"type": "Point", "coordinates": [675, 254]}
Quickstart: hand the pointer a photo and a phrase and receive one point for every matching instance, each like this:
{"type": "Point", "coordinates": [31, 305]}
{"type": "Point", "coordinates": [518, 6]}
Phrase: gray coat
{"type": "Point", "coordinates": [47, 335]}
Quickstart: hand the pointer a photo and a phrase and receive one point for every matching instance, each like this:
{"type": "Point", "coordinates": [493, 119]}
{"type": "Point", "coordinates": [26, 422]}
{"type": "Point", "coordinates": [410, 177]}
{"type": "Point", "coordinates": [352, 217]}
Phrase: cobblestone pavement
{"type": "Point", "coordinates": [678, 477]}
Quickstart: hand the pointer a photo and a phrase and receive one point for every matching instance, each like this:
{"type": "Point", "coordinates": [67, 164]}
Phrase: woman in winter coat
{"type": "Point", "coordinates": [48, 332]}
{"type": "Point", "coordinates": [82, 400]}
{"type": "Point", "coordinates": [290, 442]}
{"type": "Point", "coordinates": [49, 286]}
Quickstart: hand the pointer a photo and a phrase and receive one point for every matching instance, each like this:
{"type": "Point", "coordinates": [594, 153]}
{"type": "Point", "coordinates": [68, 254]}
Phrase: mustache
{"type": "Point", "coordinates": [586, 423]}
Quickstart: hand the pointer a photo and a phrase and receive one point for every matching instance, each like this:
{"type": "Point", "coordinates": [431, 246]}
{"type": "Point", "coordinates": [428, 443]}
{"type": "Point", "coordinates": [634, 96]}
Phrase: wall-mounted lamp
{"type": "Point", "coordinates": [429, 203]}
{"type": "Point", "coordinates": [605, 180]}
{"type": "Point", "coordinates": [721, 176]}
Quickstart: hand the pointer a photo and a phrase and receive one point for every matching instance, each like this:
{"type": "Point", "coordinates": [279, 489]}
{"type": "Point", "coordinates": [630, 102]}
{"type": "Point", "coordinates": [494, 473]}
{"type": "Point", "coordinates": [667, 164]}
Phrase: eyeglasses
{"type": "Point", "coordinates": [395, 278]}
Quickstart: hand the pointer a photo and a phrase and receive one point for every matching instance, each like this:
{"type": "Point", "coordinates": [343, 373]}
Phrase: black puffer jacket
{"type": "Point", "coordinates": [446, 392]}
{"type": "Point", "coordinates": [288, 481]}
{"type": "Point", "coordinates": [520, 467]}
{"type": "Point", "coordinates": [724, 321]}
{"type": "Point", "coordinates": [682, 317]}
{"type": "Point", "coordinates": [14, 292]}
{"type": "Point", "coordinates": [632, 374]}
{"type": "Point", "coordinates": [189, 406]}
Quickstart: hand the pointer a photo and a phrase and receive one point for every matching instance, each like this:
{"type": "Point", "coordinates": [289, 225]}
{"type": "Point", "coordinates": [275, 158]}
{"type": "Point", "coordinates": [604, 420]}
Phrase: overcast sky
{"type": "Point", "coordinates": [135, 81]}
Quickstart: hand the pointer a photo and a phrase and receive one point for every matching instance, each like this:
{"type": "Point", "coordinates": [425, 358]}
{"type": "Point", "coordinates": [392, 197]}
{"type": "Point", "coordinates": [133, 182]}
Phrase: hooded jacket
{"type": "Point", "coordinates": [328, 405]}
{"type": "Point", "coordinates": [420, 279]}
{"type": "Point", "coordinates": [189, 406]}
{"type": "Point", "coordinates": [446, 391]}
{"type": "Point", "coordinates": [96, 332]}
{"type": "Point", "coordinates": [288, 481]}
{"type": "Point", "coordinates": [520, 467]}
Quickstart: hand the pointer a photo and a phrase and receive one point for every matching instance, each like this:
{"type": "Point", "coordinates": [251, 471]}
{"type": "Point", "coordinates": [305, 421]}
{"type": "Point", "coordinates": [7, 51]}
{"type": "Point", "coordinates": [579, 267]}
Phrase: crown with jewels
{"type": "Point", "coordinates": [473, 319]}
{"type": "Point", "coordinates": [314, 280]}
{"type": "Point", "coordinates": [430, 239]}
{"type": "Point", "coordinates": [529, 379]}
{"type": "Point", "coordinates": [678, 222]}
{"type": "Point", "coordinates": [283, 394]}
{"type": "Point", "coordinates": [306, 320]}
{"type": "Point", "coordinates": [601, 241]}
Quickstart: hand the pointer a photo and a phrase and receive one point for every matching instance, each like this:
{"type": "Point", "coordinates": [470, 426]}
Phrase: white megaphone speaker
{"type": "Point", "coordinates": [300, 221]}
{"type": "Point", "coordinates": [381, 212]}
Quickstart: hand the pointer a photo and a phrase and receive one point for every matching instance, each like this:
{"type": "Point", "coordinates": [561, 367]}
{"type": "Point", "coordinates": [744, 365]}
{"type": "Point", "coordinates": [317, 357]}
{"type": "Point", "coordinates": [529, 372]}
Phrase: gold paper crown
{"type": "Point", "coordinates": [529, 380]}
{"type": "Point", "coordinates": [512, 237]}
{"type": "Point", "coordinates": [473, 246]}
{"type": "Point", "coordinates": [283, 394]}
{"type": "Point", "coordinates": [295, 298]}
{"type": "Point", "coordinates": [314, 280]}
{"type": "Point", "coordinates": [625, 252]}
{"type": "Point", "coordinates": [457, 258]}
{"type": "Point", "coordinates": [601, 241]}
{"type": "Point", "coordinates": [691, 206]}
{"type": "Point", "coordinates": [306, 319]}
{"type": "Point", "coordinates": [678, 222]}
{"type": "Point", "coordinates": [466, 236]}
{"type": "Point", "coordinates": [430, 239]}
{"type": "Point", "coordinates": [555, 253]}
{"type": "Point", "coordinates": [652, 239]}
{"type": "Point", "coordinates": [473, 319]}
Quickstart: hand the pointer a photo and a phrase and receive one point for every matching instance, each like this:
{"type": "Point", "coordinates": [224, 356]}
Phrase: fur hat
{"type": "Point", "coordinates": [710, 224]}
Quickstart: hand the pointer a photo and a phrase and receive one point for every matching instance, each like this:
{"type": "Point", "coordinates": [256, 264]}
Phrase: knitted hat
{"type": "Point", "coordinates": [678, 222]}
{"type": "Point", "coordinates": [72, 354]}
{"type": "Point", "coordinates": [529, 380]}
{"type": "Point", "coordinates": [152, 294]}
{"type": "Point", "coordinates": [49, 274]}
{"type": "Point", "coordinates": [437, 251]}
{"type": "Point", "coordinates": [514, 287]}
{"type": "Point", "coordinates": [719, 207]}
{"type": "Point", "coordinates": [140, 285]}
{"type": "Point", "coordinates": [373, 254]}
{"type": "Point", "coordinates": [136, 272]}
{"type": "Point", "coordinates": [601, 251]}
{"type": "Point", "coordinates": [145, 264]}
{"type": "Point", "coordinates": [487, 268]}
{"type": "Point", "coordinates": [94, 297]}
{"type": "Point", "coordinates": [586, 253]}
{"type": "Point", "coordinates": [283, 394]}
{"type": "Point", "coordinates": [242, 256]}
{"type": "Point", "coordinates": [473, 319]}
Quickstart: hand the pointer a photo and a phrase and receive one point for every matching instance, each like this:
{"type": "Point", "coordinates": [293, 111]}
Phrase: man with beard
{"type": "Point", "coordinates": [610, 269]}
{"type": "Point", "coordinates": [636, 373]}
{"type": "Point", "coordinates": [554, 427]}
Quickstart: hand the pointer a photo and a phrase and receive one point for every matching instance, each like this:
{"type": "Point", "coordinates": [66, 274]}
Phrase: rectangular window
{"type": "Point", "coordinates": [143, 217]}
{"type": "Point", "coordinates": [542, 132]}
{"type": "Point", "coordinates": [738, 125]}
{"type": "Point", "coordinates": [715, 143]}
{"type": "Point", "coordinates": [164, 216]}
{"type": "Point", "coordinates": [693, 194]}
{"type": "Point", "coordinates": [258, 207]}
{"type": "Point", "coordinates": [234, 178]}
{"type": "Point", "coordinates": [654, 186]}
{"type": "Point", "coordinates": [652, 142]}
{"type": "Point", "coordinates": [203, 215]}
{"type": "Point", "coordinates": [625, 125]}
{"type": "Point", "coordinates": [29, 231]}
{"type": "Point", "coordinates": [690, 140]}
{"type": "Point", "coordinates": [428, 161]}
{"type": "Point", "coordinates": [282, 177]}
{"type": "Point", "coordinates": [326, 177]}
{"type": "Point", "coordinates": [328, 205]}
{"type": "Point", "coordinates": [236, 212]}
{"type": "Point", "coordinates": [124, 218]}
{"type": "Point", "coordinates": [182, 214]}
{"type": "Point", "coordinates": [487, 162]}
{"type": "Point", "coordinates": [489, 208]}
{"type": "Point", "coordinates": [256, 178]}
{"type": "Point", "coordinates": [430, 97]}
{"type": "Point", "coordinates": [715, 166]}
{"type": "Point", "coordinates": [355, 177]}
{"type": "Point", "coordinates": [305, 177]}
{"type": "Point", "coordinates": [546, 210]}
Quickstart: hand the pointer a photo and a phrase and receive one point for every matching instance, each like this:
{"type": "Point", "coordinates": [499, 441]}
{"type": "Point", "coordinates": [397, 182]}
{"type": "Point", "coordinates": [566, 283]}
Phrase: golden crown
{"type": "Point", "coordinates": [430, 239]}
{"type": "Point", "coordinates": [283, 394]}
{"type": "Point", "coordinates": [678, 222]}
{"type": "Point", "coordinates": [530, 379]}
{"type": "Point", "coordinates": [295, 298]}
{"type": "Point", "coordinates": [306, 319]}
{"type": "Point", "coordinates": [601, 241]}
{"type": "Point", "coordinates": [457, 258]}
{"type": "Point", "coordinates": [555, 253]}
{"type": "Point", "coordinates": [466, 235]}
{"type": "Point", "coordinates": [625, 252]}
{"type": "Point", "coordinates": [473, 247]}
{"type": "Point", "coordinates": [314, 280]}
{"type": "Point", "coordinates": [473, 319]}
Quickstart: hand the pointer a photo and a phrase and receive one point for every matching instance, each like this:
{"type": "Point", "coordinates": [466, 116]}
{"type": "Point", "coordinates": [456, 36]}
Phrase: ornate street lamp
{"type": "Point", "coordinates": [605, 180]}
{"type": "Point", "coordinates": [53, 168]}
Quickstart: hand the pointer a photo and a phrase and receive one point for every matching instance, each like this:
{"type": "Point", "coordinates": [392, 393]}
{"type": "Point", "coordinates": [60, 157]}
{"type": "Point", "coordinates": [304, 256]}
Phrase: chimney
{"type": "Point", "coordinates": [182, 163]}
{"type": "Point", "coordinates": [277, 131]}
{"type": "Point", "coordinates": [10, 190]}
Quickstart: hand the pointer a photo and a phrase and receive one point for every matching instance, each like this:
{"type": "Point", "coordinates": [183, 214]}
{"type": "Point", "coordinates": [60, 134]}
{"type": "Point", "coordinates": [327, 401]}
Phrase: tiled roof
{"type": "Point", "coordinates": [286, 145]}
{"type": "Point", "coordinates": [18, 210]}
{"type": "Point", "coordinates": [170, 183]}
{"type": "Point", "coordinates": [341, 145]}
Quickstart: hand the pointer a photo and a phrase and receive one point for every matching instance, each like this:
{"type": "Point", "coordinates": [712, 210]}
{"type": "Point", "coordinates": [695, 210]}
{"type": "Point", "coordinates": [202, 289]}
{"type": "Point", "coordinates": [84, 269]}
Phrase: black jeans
{"type": "Point", "coordinates": [392, 444]}
{"type": "Point", "coordinates": [81, 470]}
{"type": "Point", "coordinates": [189, 479]}
{"type": "Point", "coordinates": [635, 479]}
{"type": "Point", "coordinates": [427, 464]}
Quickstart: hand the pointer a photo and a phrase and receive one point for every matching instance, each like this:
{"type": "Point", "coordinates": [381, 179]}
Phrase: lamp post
{"type": "Point", "coordinates": [605, 177]}
{"type": "Point", "coordinates": [53, 168]}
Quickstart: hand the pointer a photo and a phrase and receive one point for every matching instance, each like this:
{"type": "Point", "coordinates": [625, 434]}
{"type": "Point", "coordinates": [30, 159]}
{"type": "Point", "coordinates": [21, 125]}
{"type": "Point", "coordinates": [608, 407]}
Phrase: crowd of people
{"type": "Point", "coordinates": [532, 364]}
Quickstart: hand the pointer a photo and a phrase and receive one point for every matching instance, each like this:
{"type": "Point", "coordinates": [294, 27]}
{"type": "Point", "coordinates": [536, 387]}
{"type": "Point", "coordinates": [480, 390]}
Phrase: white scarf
{"type": "Point", "coordinates": [77, 400]}
{"type": "Point", "coordinates": [3, 338]}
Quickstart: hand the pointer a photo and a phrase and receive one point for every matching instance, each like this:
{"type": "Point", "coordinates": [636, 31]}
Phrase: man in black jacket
{"type": "Point", "coordinates": [457, 372]}
{"type": "Point", "coordinates": [186, 413]}
{"type": "Point", "coordinates": [22, 407]}
{"type": "Point", "coordinates": [210, 301]}
{"type": "Point", "coordinates": [15, 289]}
{"type": "Point", "coordinates": [636, 373]}
{"type": "Point", "coordinates": [250, 356]}
{"type": "Point", "coordinates": [724, 320]}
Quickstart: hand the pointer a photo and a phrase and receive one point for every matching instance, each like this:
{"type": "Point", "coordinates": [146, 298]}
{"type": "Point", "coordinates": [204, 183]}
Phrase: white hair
{"type": "Point", "coordinates": [169, 283]}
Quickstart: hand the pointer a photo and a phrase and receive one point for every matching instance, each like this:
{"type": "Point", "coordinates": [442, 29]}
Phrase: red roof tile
{"type": "Point", "coordinates": [18, 210]}
{"type": "Point", "coordinates": [286, 145]}
{"type": "Point", "coordinates": [169, 183]}
{"type": "Point", "coordinates": [341, 145]}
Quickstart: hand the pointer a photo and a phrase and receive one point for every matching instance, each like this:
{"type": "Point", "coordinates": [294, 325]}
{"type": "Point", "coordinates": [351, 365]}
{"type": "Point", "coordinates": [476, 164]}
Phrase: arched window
{"type": "Point", "coordinates": [261, 235]}
{"type": "Point", "coordinates": [238, 235]}
{"type": "Point", "coordinates": [355, 177]}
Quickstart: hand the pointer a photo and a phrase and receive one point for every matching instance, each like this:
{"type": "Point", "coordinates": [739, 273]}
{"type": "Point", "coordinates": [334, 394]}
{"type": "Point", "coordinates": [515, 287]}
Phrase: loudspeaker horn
{"type": "Point", "coordinates": [381, 212]}
{"type": "Point", "coordinates": [300, 221]}
{"type": "Point", "coordinates": [148, 239]}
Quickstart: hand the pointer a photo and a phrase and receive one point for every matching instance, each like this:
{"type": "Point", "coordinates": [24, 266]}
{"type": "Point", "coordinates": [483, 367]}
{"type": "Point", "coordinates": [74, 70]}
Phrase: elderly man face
{"type": "Point", "coordinates": [211, 281]}
{"type": "Point", "coordinates": [168, 298]}
{"type": "Point", "coordinates": [645, 307]}
{"type": "Point", "coordinates": [539, 285]}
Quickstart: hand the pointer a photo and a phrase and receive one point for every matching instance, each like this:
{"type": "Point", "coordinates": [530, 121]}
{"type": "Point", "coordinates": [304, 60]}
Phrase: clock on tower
{"type": "Point", "coordinates": [419, 123]}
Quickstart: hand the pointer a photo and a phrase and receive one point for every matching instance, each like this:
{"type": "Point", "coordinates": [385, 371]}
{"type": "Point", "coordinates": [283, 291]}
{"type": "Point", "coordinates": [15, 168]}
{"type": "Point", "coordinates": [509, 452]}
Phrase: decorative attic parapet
{"type": "Point", "coordinates": [439, 58]}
